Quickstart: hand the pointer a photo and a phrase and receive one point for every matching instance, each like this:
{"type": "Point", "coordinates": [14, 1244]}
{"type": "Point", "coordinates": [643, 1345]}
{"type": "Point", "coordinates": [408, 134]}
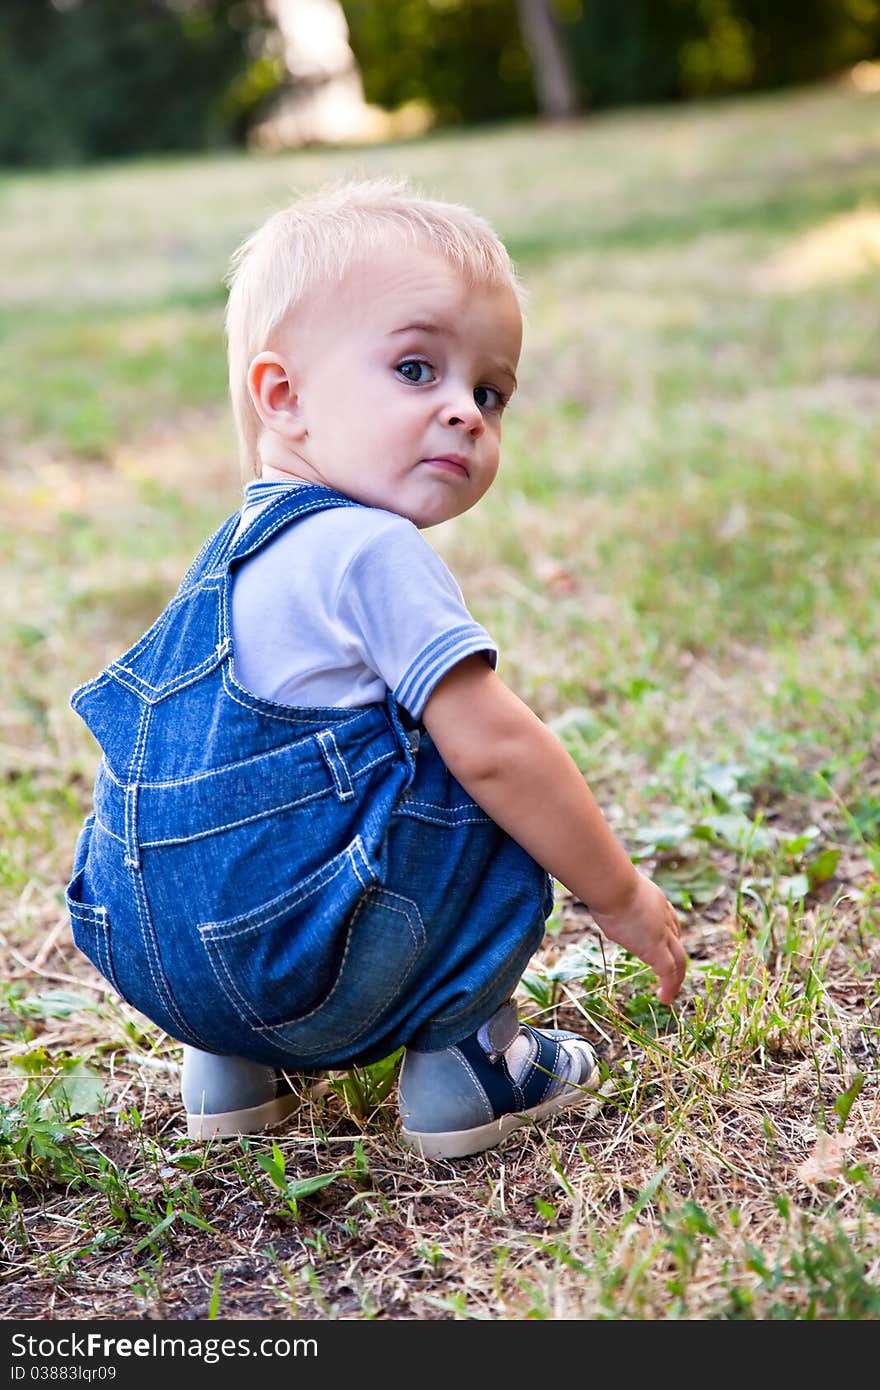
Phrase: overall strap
{"type": "Point", "coordinates": [210, 557]}
{"type": "Point", "coordinates": [223, 549]}
{"type": "Point", "coordinates": [291, 504]}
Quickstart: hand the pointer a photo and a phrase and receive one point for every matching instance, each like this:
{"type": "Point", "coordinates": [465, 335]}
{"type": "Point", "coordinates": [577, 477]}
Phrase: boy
{"type": "Point", "coordinates": [324, 828]}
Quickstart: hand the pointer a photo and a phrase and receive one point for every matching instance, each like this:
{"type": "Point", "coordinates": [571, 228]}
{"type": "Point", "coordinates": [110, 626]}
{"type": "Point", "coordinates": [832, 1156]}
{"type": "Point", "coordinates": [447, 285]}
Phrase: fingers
{"type": "Point", "coordinates": [672, 919]}
{"type": "Point", "coordinates": [671, 978]}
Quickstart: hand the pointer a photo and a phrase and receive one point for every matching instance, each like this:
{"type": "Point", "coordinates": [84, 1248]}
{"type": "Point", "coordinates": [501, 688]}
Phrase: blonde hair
{"type": "Point", "coordinates": [313, 242]}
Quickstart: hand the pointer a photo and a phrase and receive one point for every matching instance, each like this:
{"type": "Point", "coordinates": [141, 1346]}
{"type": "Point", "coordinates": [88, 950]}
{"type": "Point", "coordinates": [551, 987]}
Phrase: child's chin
{"type": "Point", "coordinates": [431, 516]}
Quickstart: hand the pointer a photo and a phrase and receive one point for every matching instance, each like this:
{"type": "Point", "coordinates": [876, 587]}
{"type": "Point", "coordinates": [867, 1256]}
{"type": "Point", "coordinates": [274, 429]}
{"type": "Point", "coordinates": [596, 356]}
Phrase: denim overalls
{"type": "Point", "coordinates": [304, 887]}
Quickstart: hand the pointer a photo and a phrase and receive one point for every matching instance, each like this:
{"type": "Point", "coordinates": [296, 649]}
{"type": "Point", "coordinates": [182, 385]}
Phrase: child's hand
{"type": "Point", "coordinates": [647, 926]}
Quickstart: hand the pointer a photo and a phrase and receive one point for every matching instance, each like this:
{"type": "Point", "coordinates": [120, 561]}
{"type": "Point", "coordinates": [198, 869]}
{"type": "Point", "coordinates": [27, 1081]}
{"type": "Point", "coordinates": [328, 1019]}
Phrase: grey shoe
{"type": "Point", "coordinates": [467, 1098]}
{"type": "Point", "coordinates": [225, 1096]}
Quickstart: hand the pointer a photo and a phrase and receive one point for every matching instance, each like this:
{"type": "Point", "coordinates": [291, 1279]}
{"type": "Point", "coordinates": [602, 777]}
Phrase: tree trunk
{"type": "Point", "coordinates": [324, 97]}
{"type": "Point", "coordinates": [554, 84]}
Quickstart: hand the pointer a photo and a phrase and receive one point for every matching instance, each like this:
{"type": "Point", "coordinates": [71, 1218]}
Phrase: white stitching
{"type": "Point", "coordinates": [235, 824]}
{"type": "Point", "coordinates": [277, 907]}
{"type": "Point", "coordinates": [272, 711]}
{"type": "Point", "coordinates": [247, 820]}
{"type": "Point", "coordinates": [446, 818]}
{"type": "Point", "coordinates": [218, 963]}
{"type": "Point", "coordinates": [246, 763]}
{"type": "Point", "coordinates": [358, 846]}
{"type": "Point", "coordinates": [368, 899]}
{"type": "Point", "coordinates": [336, 763]}
{"type": "Point", "coordinates": [107, 831]}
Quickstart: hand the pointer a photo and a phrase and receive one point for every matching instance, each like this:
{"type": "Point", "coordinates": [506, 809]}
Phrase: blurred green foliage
{"type": "Point", "coordinates": [467, 60]}
{"type": "Point", "coordinates": [633, 51]}
{"type": "Point", "coordinates": [463, 58]}
{"type": "Point", "coordinates": [94, 79]}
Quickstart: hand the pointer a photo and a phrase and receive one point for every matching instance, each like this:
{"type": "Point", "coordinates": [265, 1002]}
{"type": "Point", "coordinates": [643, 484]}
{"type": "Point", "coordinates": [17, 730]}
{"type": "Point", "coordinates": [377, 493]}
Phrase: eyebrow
{"type": "Point", "coordinates": [432, 326]}
{"type": "Point", "coordinates": [421, 326]}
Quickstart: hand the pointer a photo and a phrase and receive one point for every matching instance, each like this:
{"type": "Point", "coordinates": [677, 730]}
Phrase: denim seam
{"type": "Point", "coordinates": [242, 763]}
{"type": "Point", "coordinates": [96, 918]}
{"type": "Point", "coordinates": [223, 537]}
{"type": "Point", "coordinates": [88, 910]}
{"type": "Point", "coordinates": [336, 764]}
{"type": "Point", "coordinates": [102, 937]}
{"type": "Point", "coordinates": [224, 613]}
{"type": "Point", "coordinates": [359, 847]}
{"type": "Point", "coordinates": [268, 528]}
{"type": "Point", "coordinates": [148, 935]}
{"type": "Point", "coordinates": [218, 965]}
{"type": "Point", "coordinates": [154, 694]}
{"type": "Point", "coordinates": [438, 806]}
{"type": "Point", "coordinates": [418, 939]}
{"type": "Point", "coordinates": [271, 911]}
{"type": "Point", "coordinates": [287, 714]}
{"type": "Point", "coordinates": [112, 833]}
{"type": "Point", "coordinates": [278, 711]}
{"type": "Point", "coordinates": [234, 824]}
{"type": "Point", "coordinates": [209, 582]}
{"type": "Point", "coordinates": [105, 767]}
{"type": "Point", "coordinates": [81, 690]}
{"type": "Point", "coordinates": [137, 880]}
{"type": "Point", "coordinates": [132, 856]}
{"type": "Point", "coordinates": [103, 948]}
{"type": "Point", "coordinates": [247, 820]}
{"type": "Point", "coordinates": [449, 818]}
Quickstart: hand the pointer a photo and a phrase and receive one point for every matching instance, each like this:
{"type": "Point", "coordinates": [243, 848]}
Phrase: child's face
{"type": "Point", "coordinates": [401, 375]}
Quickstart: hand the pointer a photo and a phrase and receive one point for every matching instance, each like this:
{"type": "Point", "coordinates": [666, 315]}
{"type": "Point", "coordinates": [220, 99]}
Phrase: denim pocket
{"type": "Point", "coordinates": [386, 941]}
{"type": "Point", "coordinates": [278, 960]}
{"type": "Point", "coordinates": [91, 930]}
{"type": "Point", "coordinates": [314, 969]}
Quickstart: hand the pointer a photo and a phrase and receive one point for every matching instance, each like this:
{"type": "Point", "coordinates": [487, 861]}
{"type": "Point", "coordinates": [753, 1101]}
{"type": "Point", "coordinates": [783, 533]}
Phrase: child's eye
{"type": "Point", "coordinates": [489, 398]}
{"type": "Point", "coordinates": [415, 370]}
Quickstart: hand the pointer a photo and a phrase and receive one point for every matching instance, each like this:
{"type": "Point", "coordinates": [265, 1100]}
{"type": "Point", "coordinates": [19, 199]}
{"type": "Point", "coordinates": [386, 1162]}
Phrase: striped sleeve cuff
{"type": "Point", "coordinates": [433, 662]}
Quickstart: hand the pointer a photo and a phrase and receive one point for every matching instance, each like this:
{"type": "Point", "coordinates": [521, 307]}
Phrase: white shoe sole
{"type": "Point", "coordinates": [460, 1143]}
{"type": "Point", "coordinates": [227, 1124]}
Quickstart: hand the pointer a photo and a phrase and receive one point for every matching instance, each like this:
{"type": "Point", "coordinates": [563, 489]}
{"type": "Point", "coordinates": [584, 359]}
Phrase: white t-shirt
{"type": "Point", "coordinates": [345, 605]}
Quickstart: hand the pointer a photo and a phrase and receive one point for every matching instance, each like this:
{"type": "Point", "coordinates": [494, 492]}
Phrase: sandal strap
{"type": "Point", "coordinates": [542, 1078]}
{"type": "Point", "coordinates": [547, 1073]}
{"type": "Point", "coordinates": [499, 1031]}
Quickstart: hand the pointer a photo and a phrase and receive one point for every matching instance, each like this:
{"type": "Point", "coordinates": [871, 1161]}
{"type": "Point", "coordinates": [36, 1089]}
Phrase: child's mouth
{"type": "Point", "coordinates": [450, 463]}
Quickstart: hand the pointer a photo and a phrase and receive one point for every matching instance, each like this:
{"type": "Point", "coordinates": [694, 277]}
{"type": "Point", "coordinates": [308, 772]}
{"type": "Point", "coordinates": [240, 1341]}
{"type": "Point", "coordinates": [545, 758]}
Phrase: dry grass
{"type": "Point", "coordinates": [680, 563]}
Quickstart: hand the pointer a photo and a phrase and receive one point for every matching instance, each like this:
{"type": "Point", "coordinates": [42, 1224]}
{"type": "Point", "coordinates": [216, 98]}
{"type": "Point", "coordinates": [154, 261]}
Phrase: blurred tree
{"type": "Point", "coordinates": [99, 78]}
{"type": "Point", "coordinates": [750, 44]}
{"type": "Point", "coordinates": [322, 98]}
{"type": "Point", "coordinates": [464, 58]}
{"type": "Point", "coordinates": [628, 51]}
{"type": "Point", "coordinates": [85, 79]}
{"type": "Point", "coordinates": [551, 71]}
{"type": "Point", "coordinates": [474, 60]}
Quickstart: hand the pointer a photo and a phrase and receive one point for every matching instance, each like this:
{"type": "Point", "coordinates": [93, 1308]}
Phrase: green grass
{"type": "Point", "coordinates": [680, 561]}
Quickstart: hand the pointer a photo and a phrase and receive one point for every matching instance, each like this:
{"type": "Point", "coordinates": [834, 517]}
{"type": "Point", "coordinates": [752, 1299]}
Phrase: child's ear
{"type": "Point", "coordinates": [274, 396]}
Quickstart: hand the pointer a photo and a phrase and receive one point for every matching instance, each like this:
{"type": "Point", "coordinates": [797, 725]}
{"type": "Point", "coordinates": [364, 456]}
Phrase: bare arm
{"type": "Point", "coordinates": [518, 771]}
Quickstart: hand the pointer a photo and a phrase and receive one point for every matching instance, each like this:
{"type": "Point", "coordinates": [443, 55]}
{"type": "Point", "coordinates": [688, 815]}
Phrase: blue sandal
{"type": "Point", "coordinates": [470, 1097]}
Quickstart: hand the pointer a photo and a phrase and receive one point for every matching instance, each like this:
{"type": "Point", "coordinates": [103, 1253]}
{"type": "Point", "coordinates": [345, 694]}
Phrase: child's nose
{"type": "Point", "coordinates": [465, 413]}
